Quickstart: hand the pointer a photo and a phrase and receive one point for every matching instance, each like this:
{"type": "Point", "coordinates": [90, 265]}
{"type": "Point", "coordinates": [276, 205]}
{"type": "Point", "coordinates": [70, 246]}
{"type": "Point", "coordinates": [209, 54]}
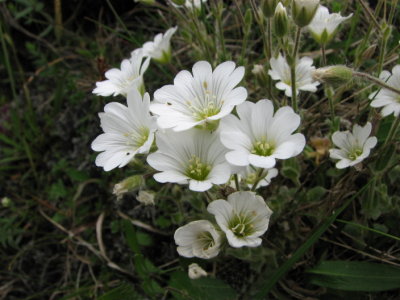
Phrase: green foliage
{"type": "Point", "coordinates": [356, 276]}
{"type": "Point", "coordinates": [125, 291]}
{"type": "Point", "coordinates": [182, 287]}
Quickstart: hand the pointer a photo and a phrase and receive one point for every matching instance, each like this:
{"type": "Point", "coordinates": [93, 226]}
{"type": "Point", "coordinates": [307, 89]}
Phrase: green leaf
{"type": "Point", "coordinates": [125, 291]}
{"type": "Point", "coordinates": [198, 289]}
{"type": "Point", "coordinates": [130, 236]}
{"type": "Point", "coordinates": [315, 194]}
{"type": "Point", "coordinates": [356, 276]}
{"type": "Point", "coordinates": [291, 170]}
{"type": "Point", "coordinates": [278, 274]}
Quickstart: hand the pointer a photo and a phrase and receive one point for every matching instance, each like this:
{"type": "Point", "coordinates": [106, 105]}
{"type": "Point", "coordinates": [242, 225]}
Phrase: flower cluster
{"type": "Point", "coordinates": [201, 131]}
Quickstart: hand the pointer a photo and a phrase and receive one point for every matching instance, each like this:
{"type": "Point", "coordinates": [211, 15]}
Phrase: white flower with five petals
{"type": "Point", "coordinates": [160, 48]}
{"type": "Point", "coordinates": [201, 98]}
{"type": "Point", "coordinates": [280, 70]}
{"type": "Point", "coordinates": [195, 156]}
{"type": "Point", "coordinates": [259, 136]}
{"type": "Point", "coordinates": [244, 217]}
{"type": "Point", "coordinates": [324, 24]}
{"type": "Point", "coordinates": [198, 239]}
{"type": "Point", "coordinates": [129, 77]}
{"type": "Point", "coordinates": [389, 100]}
{"type": "Point", "coordinates": [127, 131]}
{"type": "Point", "coordinates": [354, 146]}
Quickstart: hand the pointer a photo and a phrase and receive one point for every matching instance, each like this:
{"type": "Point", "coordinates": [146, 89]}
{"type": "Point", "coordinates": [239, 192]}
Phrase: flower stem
{"type": "Point", "coordinates": [376, 81]}
{"type": "Point", "coordinates": [237, 182]}
{"type": "Point", "coordinates": [323, 54]}
{"type": "Point", "coordinates": [208, 196]}
{"type": "Point", "coordinates": [293, 70]}
{"type": "Point", "coordinates": [392, 132]}
{"type": "Point", "coordinates": [258, 179]}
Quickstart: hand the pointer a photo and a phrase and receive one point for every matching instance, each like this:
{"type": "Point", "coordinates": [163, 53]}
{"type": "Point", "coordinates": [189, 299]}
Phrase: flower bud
{"type": "Point", "coordinates": [269, 7]}
{"type": "Point", "coordinates": [281, 21]}
{"type": "Point", "coordinates": [333, 74]}
{"type": "Point", "coordinates": [6, 202]}
{"type": "Point", "coordinates": [195, 271]}
{"type": "Point", "coordinates": [145, 198]}
{"type": "Point", "coordinates": [304, 11]}
{"type": "Point", "coordinates": [127, 185]}
{"type": "Point", "coordinates": [248, 20]}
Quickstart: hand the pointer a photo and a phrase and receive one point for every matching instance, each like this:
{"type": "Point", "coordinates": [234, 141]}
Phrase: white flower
{"type": "Point", "coordinates": [390, 101]}
{"type": "Point", "coordinates": [127, 131]}
{"type": "Point", "coordinates": [191, 3]}
{"type": "Point", "coordinates": [324, 24]}
{"type": "Point", "coordinates": [198, 239]}
{"type": "Point", "coordinates": [201, 98]}
{"type": "Point", "coordinates": [249, 176]}
{"type": "Point", "coordinates": [160, 48]}
{"type": "Point", "coordinates": [145, 198]}
{"type": "Point", "coordinates": [195, 156]}
{"type": "Point", "coordinates": [129, 77]}
{"type": "Point", "coordinates": [280, 70]}
{"type": "Point", "coordinates": [259, 137]}
{"type": "Point", "coordinates": [243, 218]}
{"type": "Point", "coordinates": [354, 146]}
{"type": "Point", "coordinates": [195, 271]}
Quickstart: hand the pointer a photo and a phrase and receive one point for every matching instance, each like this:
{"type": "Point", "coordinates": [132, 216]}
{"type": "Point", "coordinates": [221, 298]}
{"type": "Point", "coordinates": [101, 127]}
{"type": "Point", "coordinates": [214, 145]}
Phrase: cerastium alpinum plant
{"type": "Point", "coordinates": [205, 131]}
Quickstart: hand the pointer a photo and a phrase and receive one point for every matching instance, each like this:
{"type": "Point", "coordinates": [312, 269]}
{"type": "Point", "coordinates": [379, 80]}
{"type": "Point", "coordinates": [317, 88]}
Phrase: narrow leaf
{"type": "Point", "coordinates": [356, 276]}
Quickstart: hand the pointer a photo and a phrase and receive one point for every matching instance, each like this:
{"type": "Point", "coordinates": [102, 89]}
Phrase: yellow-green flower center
{"type": "Point", "coordinates": [206, 240]}
{"type": "Point", "coordinates": [241, 224]}
{"type": "Point", "coordinates": [197, 169]}
{"type": "Point", "coordinates": [207, 107]}
{"type": "Point", "coordinates": [355, 153]}
{"type": "Point", "coordinates": [137, 139]}
{"type": "Point", "coordinates": [263, 148]}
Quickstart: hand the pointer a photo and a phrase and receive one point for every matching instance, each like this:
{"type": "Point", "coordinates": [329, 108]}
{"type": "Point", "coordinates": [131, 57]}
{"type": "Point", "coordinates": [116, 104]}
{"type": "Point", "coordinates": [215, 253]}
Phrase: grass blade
{"type": "Point", "coordinates": [356, 276]}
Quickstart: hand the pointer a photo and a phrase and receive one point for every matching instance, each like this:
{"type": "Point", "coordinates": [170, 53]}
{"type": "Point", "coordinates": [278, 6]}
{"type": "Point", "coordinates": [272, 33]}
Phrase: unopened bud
{"type": "Point", "coordinates": [145, 198]}
{"type": "Point", "coordinates": [269, 7]}
{"type": "Point", "coordinates": [304, 11]}
{"type": "Point", "coordinates": [195, 271]}
{"type": "Point", "coordinates": [127, 185]}
{"type": "Point", "coordinates": [6, 202]}
{"type": "Point", "coordinates": [333, 74]}
{"type": "Point", "coordinates": [281, 21]}
{"type": "Point", "coordinates": [248, 20]}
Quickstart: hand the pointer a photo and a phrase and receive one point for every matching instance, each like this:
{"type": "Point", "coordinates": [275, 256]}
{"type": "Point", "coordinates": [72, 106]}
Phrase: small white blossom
{"type": "Point", "coordinates": [129, 77]}
{"type": "Point", "coordinates": [195, 271]}
{"type": "Point", "coordinates": [160, 48]}
{"type": "Point", "coordinates": [127, 131]}
{"type": "Point", "coordinates": [243, 218]}
{"type": "Point", "coordinates": [280, 70]}
{"type": "Point", "coordinates": [191, 3]}
{"type": "Point", "coordinates": [249, 176]}
{"type": "Point", "coordinates": [389, 100]}
{"type": "Point", "coordinates": [195, 156]}
{"type": "Point", "coordinates": [324, 24]}
{"type": "Point", "coordinates": [145, 198]}
{"type": "Point", "coordinates": [259, 137]}
{"type": "Point", "coordinates": [354, 146]}
{"type": "Point", "coordinates": [198, 239]}
{"type": "Point", "coordinates": [201, 98]}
